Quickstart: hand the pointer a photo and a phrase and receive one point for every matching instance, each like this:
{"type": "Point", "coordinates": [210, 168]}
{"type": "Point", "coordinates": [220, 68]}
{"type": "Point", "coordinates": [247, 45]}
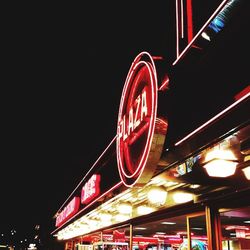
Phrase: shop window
{"type": "Point", "coordinates": [198, 232]}
{"type": "Point", "coordinates": [171, 234]}
{"type": "Point", "coordinates": [235, 227]}
{"type": "Point", "coordinates": [114, 239]}
{"type": "Point", "coordinates": [86, 242]}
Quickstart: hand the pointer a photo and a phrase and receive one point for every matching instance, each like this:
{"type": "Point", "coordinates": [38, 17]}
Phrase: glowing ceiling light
{"type": "Point", "coordinates": [182, 197]}
{"type": "Point", "coordinates": [105, 216]}
{"type": "Point", "coordinates": [157, 195]}
{"type": "Point", "coordinates": [246, 169]}
{"type": "Point", "coordinates": [124, 208]}
{"type": "Point", "coordinates": [220, 163]}
{"type": "Point", "coordinates": [93, 223]}
{"type": "Point", "coordinates": [168, 223]}
{"type": "Point", "coordinates": [143, 209]}
{"type": "Point", "coordinates": [122, 217]}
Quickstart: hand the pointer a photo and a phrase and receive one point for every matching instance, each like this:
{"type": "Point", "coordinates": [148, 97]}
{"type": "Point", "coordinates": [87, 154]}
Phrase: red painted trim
{"type": "Point", "coordinates": [177, 28]}
{"type": "Point", "coordinates": [245, 91]}
{"type": "Point", "coordinates": [189, 20]}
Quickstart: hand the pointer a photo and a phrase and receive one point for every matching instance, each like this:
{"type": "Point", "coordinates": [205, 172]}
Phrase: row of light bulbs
{"type": "Point", "coordinates": [156, 195]}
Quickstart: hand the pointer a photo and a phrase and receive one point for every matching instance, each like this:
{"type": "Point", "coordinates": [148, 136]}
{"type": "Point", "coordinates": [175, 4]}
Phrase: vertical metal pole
{"type": "Point", "coordinates": [213, 228]}
{"type": "Point", "coordinates": [130, 237]}
{"type": "Point", "coordinates": [189, 234]}
{"type": "Point", "coordinates": [101, 236]}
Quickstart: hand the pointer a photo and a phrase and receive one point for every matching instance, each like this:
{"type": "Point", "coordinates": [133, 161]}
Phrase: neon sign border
{"type": "Point", "coordinates": [153, 77]}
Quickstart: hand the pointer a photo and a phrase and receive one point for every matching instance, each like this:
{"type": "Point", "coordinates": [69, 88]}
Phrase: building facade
{"type": "Point", "coordinates": [176, 175]}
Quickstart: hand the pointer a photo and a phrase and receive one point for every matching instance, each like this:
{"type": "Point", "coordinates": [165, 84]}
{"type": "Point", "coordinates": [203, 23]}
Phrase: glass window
{"type": "Point", "coordinates": [165, 234]}
{"type": "Point", "coordinates": [235, 227]}
{"type": "Point", "coordinates": [198, 232]}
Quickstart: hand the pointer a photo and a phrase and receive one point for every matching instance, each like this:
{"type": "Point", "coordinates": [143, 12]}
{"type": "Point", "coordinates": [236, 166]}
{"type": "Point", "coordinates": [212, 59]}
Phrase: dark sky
{"type": "Point", "coordinates": [63, 71]}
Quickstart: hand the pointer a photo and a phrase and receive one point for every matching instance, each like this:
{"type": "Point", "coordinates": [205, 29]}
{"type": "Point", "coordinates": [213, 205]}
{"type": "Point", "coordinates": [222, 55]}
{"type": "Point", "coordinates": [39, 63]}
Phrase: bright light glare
{"type": "Point", "coordinates": [157, 195]}
{"type": "Point", "coordinates": [181, 197]}
{"type": "Point", "coordinates": [220, 163]}
{"type": "Point", "coordinates": [247, 172]}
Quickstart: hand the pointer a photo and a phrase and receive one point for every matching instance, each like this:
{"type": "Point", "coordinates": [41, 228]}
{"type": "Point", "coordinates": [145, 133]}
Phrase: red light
{"type": "Point", "coordinates": [91, 189]}
{"type": "Point", "coordinates": [244, 92]}
{"type": "Point", "coordinates": [136, 119]}
{"type": "Point", "coordinates": [68, 211]}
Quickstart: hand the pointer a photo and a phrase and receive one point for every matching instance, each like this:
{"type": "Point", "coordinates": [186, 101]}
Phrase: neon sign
{"type": "Point", "coordinates": [136, 129]}
{"type": "Point", "coordinates": [91, 189]}
{"type": "Point", "coordinates": [68, 211]}
{"type": "Point", "coordinates": [187, 31]}
{"type": "Point", "coordinates": [136, 115]}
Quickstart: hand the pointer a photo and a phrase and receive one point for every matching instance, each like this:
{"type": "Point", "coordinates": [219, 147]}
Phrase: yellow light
{"type": "Point", "coordinates": [125, 208]}
{"type": "Point", "coordinates": [143, 209]}
{"type": "Point", "coordinates": [247, 172]}
{"type": "Point", "coordinates": [220, 163]}
{"type": "Point", "coordinates": [157, 195]}
{"type": "Point", "coordinates": [182, 197]}
{"type": "Point", "coordinates": [105, 216]}
{"type": "Point", "coordinates": [246, 169]}
{"type": "Point", "coordinates": [122, 217]}
{"type": "Point", "coordinates": [93, 223]}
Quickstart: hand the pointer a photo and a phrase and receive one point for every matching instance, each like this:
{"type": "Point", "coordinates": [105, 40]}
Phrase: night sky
{"type": "Point", "coordinates": [62, 74]}
{"type": "Point", "coordinates": [63, 71]}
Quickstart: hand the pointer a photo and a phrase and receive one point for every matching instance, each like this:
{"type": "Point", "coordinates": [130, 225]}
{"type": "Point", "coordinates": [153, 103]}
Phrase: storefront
{"type": "Point", "coordinates": [177, 173]}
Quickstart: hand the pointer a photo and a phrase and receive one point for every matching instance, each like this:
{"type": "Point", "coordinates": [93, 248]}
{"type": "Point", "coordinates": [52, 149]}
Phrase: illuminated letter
{"type": "Point", "coordinates": [130, 121]}
{"type": "Point", "coordinates": [125, 136]}
{"type": "Point", "coordinates": [144, 108]}
{"type": "Point", "coordinates": [120, 130]}
{"type": "Point", "coordinates": [137, 122]}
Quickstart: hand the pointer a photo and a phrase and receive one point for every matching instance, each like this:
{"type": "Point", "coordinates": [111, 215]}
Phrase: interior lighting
{"type": "Point", "coordinates": [140, 228]}
{"type": "Point", "coordinates": [93, 223]}
{"type": "Point", "coordinates": [125, 208]}
{"type": "Point", "coordinates": [122, 217]}
{"type": "Point", "coordinates": [182, 197]}
{"type": "Point", "coordinates": [205, 36]}
{"type": "Point", "coordinates": [60, 236]}
{"type": "Point", "coordinates": [168, 223]}
{"type": "Point", "coordinates": [105, 216]}
{"type": "Point", "coordinates": [220, 163]}
{"type": "Point", "coordinates": [246, 169]}
{"type": "Point", "coordinates": [143, 209]}
{"type": "Point", "coordinates": [157, 195]}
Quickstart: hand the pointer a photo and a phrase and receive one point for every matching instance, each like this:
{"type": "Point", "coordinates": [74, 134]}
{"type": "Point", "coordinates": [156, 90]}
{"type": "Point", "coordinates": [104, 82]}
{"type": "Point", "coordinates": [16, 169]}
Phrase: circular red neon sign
{"type": "Point", "coordinates": [136, 120]}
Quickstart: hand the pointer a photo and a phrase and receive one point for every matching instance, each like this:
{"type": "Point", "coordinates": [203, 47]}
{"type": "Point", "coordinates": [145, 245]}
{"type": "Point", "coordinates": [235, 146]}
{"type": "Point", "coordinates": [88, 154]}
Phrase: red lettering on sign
{"type": "Point", "coordinates": [137, 113]}
{"type": "Point", "coordinates": [91, 189]}
{"type": "Point", "coordinates": [68, 211]}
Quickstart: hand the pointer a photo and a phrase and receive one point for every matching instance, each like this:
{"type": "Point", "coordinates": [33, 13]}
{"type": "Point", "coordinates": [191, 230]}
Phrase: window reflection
{"type": "Point", "coordinates": [235, 226]}
{"type": "Point", "coordinates": [170, 234]}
